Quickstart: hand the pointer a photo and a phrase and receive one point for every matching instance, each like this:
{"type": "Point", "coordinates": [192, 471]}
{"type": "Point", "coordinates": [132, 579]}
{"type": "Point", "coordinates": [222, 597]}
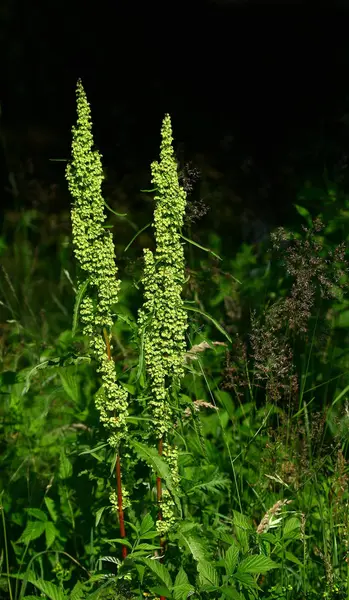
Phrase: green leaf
{"type": "Point", "coordinates": [242, 526]}
{"type": "Point", "coordinates": [182, 589]}
{"type": "Point", "coordinates": [231, 558]}
{"type": "Point", "coordinates": [207, 316]}
{"type": "Point", "coordinates": [113, 211]}
{"type": "Point", "coordinates": [122, 541]}
{"type": "Point", "coordinates": [257, 564]}
{"type": "Point", "coordinates": [50, 505]}
{"type": "Point", "coordinates": [159, 570]}
{"type": "Point", "coordinates": [160, 467]}
{"type": "Point", "coordinates": [290, 525]}
{"type": "Point", "coordinates": [161, 591]}
{"type": "Point", "coordinates": [99, 514]}
{"type": "Point", "coordinates": [304, 213]}
{"type": "Point", "coordinates": [147, 524]}
{"type": "Point", "coordinates": [231, 593]}
{"type": "Point", "coordinates": [77, 592]}
{"type": "Point", "coordinates": [208, 574]}
{"type": "Point", "coordinates": [50, 533]}
{"type": "Point", "coordinates": [70, 382]}
{"type": "Point", "coordinates": [79, 296]}
{"type": "Point", "coordinates": [144, 546]}
{"type": "Point", "coordinates": [246, 580]}
{"type": "Point", "coordinates": [202, 248]}
{"type": "Point", "coordinates": [33, 530]}
{"type": "Point", "coordinates": [50, 589]}
{"type": "Point", "coordinates": [290, 556]}
{"type": "Point", "coordinates": [65, 466]}
{"type": "Point", "coordinates": [194, 545]}
{"type": "Point", "coordinates": [136, 235]}
{"type": "Point", "coordinates": [37, 513]}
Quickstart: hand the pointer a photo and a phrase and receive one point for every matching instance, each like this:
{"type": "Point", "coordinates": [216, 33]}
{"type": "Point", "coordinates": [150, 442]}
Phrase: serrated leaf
{"type": "Point", "coordinates": [147, 524]}
{"type": "Point", "coordinates": [146, 547]}
{"type": "Point", "coordinates": [231, 558]}
{"type": "Point", "coordinates": [208, 574]}
{"type": "Point", "coordinates": [99, 514]}
{"type": "Point", "coordinates": [122, 541]}
{"type": "Point", "coordinates": [257, 564]}
{"type": "Point", "coordinates": [290, 525]}
{"type": "Point", "coordinates": [231, 593]}
{"type": "Point", "coordinates": [159, 570]}
{"type": "Point", "coordinates": [194, 546]}
{"type": "Point", "coordinates": [33, 530]}
{"type": "Point", "coordinates": [70, 382]}
{"type": "Point", "coordinates": [37, 513]}
{"type": "Point", "coordinates": [50, 589]}
{"type": "Point", "coordinates": [242, 527]}
{"type": "Point", "coordinates": [50, 533]}
{"type": "Point", "coordinates": [65, 466]}
{"type": "Point", "coordinates": [151, 457]}
{"type": "Point", "coordinates": [77, 592]}
{"type": "Point", "coordinates": [182, 588]}
{"type": "Point", "coordinates": [50, 505]}
{"type": "Point", "coordinates": [246, 580]}
{"type": "Point", "coordinates": [290, 556]}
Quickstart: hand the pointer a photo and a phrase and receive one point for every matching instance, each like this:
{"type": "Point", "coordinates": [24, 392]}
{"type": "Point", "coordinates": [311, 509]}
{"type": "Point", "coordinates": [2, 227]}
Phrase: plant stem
{"type": "Point", "coordinates": [118, 470]}
{"type": "Point", "coordinates": [159, 496]}
{"type": "Point", "coordinates": [120, 509]}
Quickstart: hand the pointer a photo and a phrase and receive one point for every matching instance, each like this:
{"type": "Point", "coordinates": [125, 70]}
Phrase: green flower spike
{"type": "Point", "coordinates": [163, 319]}
{"type": "Point", "coordinates": [95, 253]}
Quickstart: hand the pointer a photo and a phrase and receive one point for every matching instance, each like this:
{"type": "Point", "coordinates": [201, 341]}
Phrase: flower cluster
{"type": "Point", "coordinates": [163, 319]}
{"type": "Point", "coordinates": [95, 253]}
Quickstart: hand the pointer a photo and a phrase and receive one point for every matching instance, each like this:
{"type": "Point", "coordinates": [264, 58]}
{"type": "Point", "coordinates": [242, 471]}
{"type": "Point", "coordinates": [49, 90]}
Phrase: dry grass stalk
{"type": "Point", "coordinates": [269, 519]}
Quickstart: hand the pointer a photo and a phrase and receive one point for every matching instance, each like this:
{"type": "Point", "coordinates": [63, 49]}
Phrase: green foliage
{"type": "Point", "coordinates": [253, 412]}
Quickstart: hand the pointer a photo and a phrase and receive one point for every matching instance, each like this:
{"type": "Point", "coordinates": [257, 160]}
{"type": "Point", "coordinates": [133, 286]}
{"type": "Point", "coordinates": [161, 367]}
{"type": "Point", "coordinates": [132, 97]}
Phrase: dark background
{"type": "Point", "coordinates": [257, 92]}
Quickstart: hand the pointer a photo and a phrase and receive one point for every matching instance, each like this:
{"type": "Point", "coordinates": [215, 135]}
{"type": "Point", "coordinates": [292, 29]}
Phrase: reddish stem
{"type": "Point", "coordinates": [118, 471]}
{"type": "Point", "coordinates": [120, 509]}
{"type": "Point", "coordinates": [159, 496]}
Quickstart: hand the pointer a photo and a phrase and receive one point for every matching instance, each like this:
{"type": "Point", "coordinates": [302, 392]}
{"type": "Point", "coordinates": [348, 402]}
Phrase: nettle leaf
{"type": "Point", "coordinates": [65, 466]}
{"type": "Point", "coordinates": [231, 558]}
{"type": "Point", "coordinates": [77, 592]}
{"type": "Point", "coordinates": [246, 579]}
{"type": "Point", "coordinates": [50, 533]}
{"type": "Point", "coordinates": [50, 505]}
{"type": "Point", "coordinates": [160, 467]}
{"type": "Point", "coordinates": [49, 589]}
{"type": "Point", "coordinates": [70, 382]}
{"type": "Point", "coordinates": [242, 527]}
{"type": "Point", "coordinates": [194, 545]}
{"type": "Point", "coordinates": [37, 513]}
{"type": "Point", "coordinates": [182, 589]}
{"type": "Point", "coordinates": [147, 524]}
{"type": "Point", "coordinates": [122, 541]}
{"type": "Point", "coordinates": [207, 573]}
{"type": "Point", "coordinates": [257, 564]}
{"type": "Point", "coordinates": [231, 593]}
{"type": "Point", "coordinates": [159, 570]}
{"type": "Point", "coordinates": [290, 526]}
{"type": "Point", "coordinates": [33, 530]}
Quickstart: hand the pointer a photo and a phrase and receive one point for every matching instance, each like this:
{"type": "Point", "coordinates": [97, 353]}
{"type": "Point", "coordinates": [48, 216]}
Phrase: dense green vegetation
{"type": "Point", "coordinates": [175, 427]}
